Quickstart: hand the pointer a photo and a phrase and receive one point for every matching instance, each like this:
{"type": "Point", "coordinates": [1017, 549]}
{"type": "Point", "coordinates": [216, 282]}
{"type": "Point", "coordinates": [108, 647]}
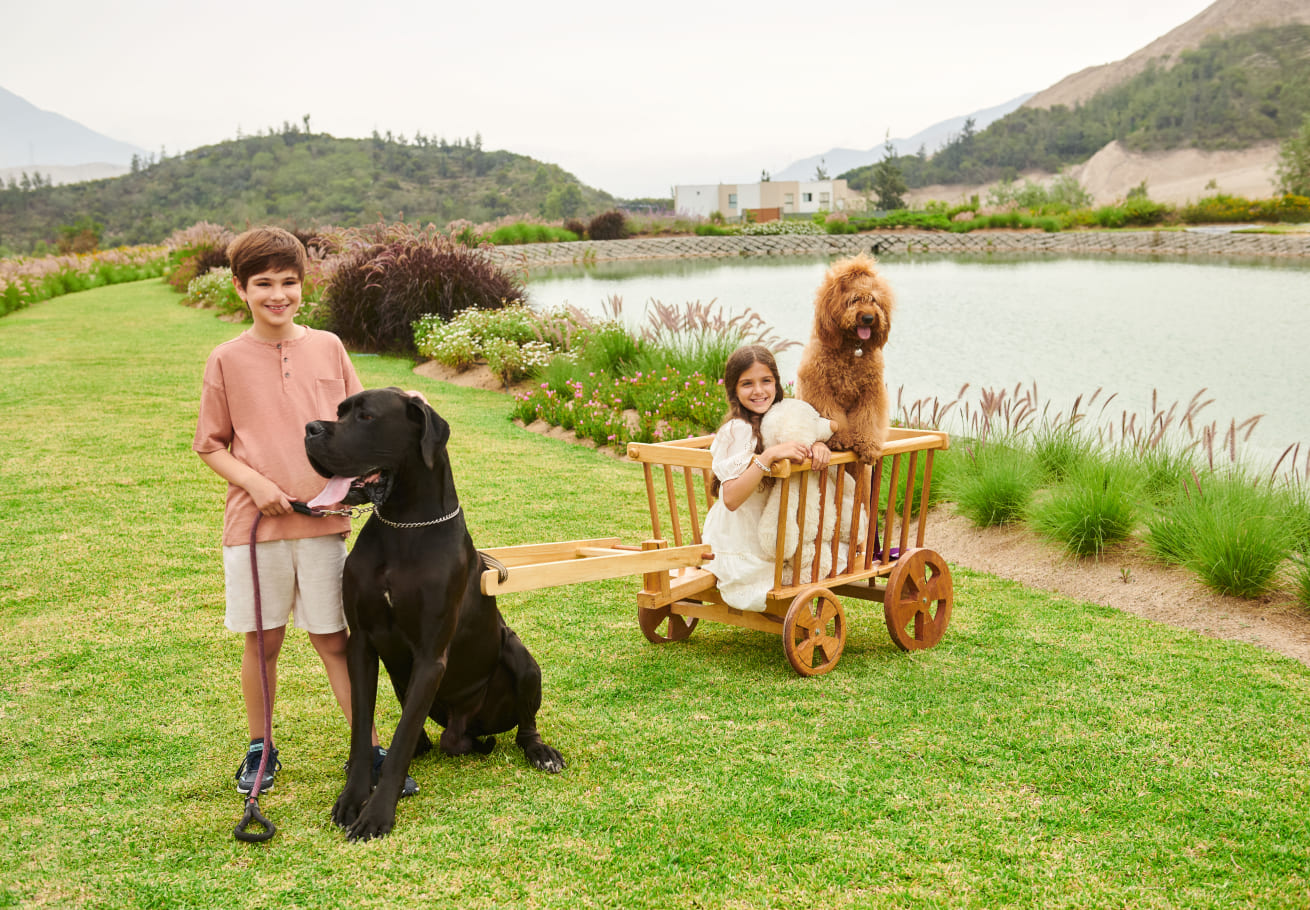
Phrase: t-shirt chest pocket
{"type": "Point", "coordinates": [330, 393]}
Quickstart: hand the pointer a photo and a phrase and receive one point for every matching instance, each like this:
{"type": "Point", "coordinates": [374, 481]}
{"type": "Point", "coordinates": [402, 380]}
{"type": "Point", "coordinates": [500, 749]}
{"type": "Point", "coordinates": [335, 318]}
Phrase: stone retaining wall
{"type": "Point", "coordinates": [1133, 243]}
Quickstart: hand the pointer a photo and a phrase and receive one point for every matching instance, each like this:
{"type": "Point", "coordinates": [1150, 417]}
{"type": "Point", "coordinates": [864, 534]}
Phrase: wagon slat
{"type": "Point", "coordinates": [579, 561]}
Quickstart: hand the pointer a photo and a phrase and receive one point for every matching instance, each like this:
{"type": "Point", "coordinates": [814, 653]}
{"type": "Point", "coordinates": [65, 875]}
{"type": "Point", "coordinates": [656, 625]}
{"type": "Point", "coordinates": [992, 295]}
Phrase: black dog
{"type": "Point", "coordinates": [412, 596]}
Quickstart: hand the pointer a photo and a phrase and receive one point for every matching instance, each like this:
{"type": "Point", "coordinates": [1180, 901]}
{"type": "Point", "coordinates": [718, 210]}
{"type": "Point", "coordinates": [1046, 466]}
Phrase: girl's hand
{"type": "Point", "coordinates": [820, 455]}
{"type": "Point", "coordinates": [792, 451]}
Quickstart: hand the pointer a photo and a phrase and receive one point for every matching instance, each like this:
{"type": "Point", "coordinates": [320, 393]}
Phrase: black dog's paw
{"type": "Point", "coordinates": [347, 808]}
{"type": "Point", "coordinates": [485, 745]}
{"type": "Point", "coordinates": [370, 824]}
{"type": "Point", "coordinates": [544, 758]}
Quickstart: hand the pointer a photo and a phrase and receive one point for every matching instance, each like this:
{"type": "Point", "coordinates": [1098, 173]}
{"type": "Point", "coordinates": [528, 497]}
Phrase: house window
{"type": "Point", "coordinates": [789, 199]}
{"type": "Point", "coordinates": [807, 197]}
{"type": "Point", "coordinates": [823, 199]}
{"type": "Point", "coordinates": [732, 200]}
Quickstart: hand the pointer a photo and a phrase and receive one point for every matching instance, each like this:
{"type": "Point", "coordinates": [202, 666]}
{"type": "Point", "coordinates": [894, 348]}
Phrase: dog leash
{"type": "Point", "coordinates": [253, 816]}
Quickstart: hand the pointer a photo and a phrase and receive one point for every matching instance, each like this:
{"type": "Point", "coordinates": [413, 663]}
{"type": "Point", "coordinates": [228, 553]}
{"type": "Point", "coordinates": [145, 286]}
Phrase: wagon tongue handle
{"type": "Point", "coordinates": [334, 492]}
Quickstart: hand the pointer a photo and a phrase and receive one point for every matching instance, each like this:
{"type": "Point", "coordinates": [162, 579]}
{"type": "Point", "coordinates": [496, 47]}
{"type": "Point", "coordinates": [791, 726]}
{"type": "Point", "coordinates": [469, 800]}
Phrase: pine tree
{"type": "Point", "coordinates": [888, 180]}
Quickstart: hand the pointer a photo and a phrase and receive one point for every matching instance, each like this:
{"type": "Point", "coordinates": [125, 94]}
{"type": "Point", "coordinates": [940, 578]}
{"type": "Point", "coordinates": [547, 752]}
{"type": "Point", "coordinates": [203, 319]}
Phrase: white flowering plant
{"type": "Point", "coordinates": [214, 290]}
{"type": "Point", "coordinates": [514, 340]}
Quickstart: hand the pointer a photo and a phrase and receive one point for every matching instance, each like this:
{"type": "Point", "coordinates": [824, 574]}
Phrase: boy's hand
{"type": "Point", "coordinates": [268, 497]}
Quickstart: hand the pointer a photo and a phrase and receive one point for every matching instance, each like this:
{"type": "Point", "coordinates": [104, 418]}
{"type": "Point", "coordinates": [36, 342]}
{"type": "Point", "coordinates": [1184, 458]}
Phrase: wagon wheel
{"type": "Point", "coordinates": [918, 600]}
{"type": "Point", "coordinates": [814, 632]}
{"type": "Point", "coordinates": [676, 628]}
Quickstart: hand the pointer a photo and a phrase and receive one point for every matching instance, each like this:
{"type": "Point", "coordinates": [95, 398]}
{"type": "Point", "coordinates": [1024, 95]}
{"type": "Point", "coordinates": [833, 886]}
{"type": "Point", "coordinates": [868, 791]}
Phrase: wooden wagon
{"type": "Point", "coordinates": [875, 551]}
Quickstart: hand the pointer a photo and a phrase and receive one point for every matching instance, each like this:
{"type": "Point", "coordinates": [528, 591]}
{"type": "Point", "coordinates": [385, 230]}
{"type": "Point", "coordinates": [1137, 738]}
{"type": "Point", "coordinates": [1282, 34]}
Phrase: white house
{"type": "Point", "coordinates": [800, 197]}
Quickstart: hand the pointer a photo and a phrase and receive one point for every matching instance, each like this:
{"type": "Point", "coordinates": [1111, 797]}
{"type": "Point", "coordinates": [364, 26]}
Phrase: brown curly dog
{"type": "Point", "coordinates": [840, 372]}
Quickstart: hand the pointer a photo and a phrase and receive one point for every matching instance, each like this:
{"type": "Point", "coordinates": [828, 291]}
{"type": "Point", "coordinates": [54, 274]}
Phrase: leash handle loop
{"type": "Point", "coordinates": [242, 831]}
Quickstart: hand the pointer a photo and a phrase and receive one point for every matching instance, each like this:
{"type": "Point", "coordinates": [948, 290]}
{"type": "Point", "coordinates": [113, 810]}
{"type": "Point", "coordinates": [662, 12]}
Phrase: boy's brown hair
{"type": "Point", "coordinates": [265, 249]}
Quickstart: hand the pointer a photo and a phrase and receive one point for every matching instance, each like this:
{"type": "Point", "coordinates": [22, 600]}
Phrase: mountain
{"type": "Point", "coordinates": [301, 179]}
{"type": "Point", "coordinates": [1174, 124]}
{"type": "Point", "coordinates": [838, 160]}
{"type": "Point", "coordinates": [1219, 20]}
{"type": "Point", "coordinates": [38, 141]}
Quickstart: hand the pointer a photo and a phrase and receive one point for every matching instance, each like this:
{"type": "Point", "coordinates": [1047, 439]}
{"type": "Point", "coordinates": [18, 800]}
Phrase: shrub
{"type": "Point", "coordinates": [783, 226]}
{"type": "Point", "coordinates": [1163, 469]}
{"type": "Point", "coordinates": [934, 220]}
{"type": "Point", "coordinates": [1222, 208]}
{"type": "Point", "coordinates": [608, 348]}
{"type": "Point", "coordinates": [993, 485]}
{"type": "Point", "coordinates": [214, 289]}
{"type": "Point", "coordinates": [1135, 211]}
{"type": "Point", "coordinates": [575, 227]}
{"type": "Point", "coordinates": [196, 250]}
{"type": "Point", "coordinates": [1058, 450]}
{"type": "Point", "coordinates": [716, 230]}
{"type": "Point", "coordinates": [82, 236]}
{"type": "Point", "coordinates": [465, 232]}
{"type": "Point", "coordinates": [611, 225]}
{"type": "Point", "coordinates": [1301, 582]}
{"type": "Point", "coordinates": [1094, 507]}
{"type": "Point", "coordinates": [513, 362]}
{"type": "Point", "coordinates": [514, 341]}
{"type": "Point", "coordinates": [525, 232]}
{"type": "Point", "coordinates": [380, 289]}
{"type": "Point", "coordinates": [839, 223]}
{"type": "Point", "coordinates": [668, 404]}
{"type": "Point", "coordinates": [1228, 530]}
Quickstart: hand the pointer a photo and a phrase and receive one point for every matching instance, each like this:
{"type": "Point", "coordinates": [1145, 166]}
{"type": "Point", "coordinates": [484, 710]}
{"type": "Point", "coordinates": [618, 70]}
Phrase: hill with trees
{"type": "Point", "coordinates": [1231, 92]}
{"type": "Point", "coordinates": [298, 178]}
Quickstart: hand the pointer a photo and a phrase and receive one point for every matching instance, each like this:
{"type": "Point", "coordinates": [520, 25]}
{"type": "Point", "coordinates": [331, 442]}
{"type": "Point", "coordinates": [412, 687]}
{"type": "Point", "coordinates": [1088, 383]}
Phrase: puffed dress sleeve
{"type": "Point", "coordinates": [744, 572]}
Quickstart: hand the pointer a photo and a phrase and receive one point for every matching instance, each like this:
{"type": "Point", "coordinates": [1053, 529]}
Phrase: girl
{"type": "Point", "coordinates": [741, 466]}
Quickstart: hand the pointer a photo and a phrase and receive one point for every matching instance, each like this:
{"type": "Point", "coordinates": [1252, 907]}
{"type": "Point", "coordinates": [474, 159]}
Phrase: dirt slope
{"type": "Point", "coordinates": [1177, 176]}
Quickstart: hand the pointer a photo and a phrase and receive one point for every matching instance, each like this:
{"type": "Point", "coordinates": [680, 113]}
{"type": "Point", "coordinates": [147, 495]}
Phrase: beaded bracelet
{"type": "Point", "coordinates": [761, 465]}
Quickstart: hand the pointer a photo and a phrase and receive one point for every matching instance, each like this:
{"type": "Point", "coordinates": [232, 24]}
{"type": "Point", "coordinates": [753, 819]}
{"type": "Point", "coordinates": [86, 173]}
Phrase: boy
{"type": "Point", "coordinates": [259, 391]}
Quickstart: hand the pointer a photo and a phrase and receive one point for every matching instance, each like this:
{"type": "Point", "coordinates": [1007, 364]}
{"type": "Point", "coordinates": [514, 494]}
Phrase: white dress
{"type": "Point", "coordinates": [744, 571]}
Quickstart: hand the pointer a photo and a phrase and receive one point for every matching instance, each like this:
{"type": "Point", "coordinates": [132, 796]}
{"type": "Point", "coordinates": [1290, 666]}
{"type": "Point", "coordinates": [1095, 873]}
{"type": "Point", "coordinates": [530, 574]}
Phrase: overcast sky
{"type": "Point", "coordinates": [632, 98]}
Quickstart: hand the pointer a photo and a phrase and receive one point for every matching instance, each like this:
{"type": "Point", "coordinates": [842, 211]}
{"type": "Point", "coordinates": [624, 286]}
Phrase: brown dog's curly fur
{"type": "Point", "coordinates": [841, 368]}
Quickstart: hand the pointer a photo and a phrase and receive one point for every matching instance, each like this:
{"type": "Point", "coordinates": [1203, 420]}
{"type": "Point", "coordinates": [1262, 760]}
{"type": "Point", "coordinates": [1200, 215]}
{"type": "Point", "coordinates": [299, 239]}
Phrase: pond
{"type": "Point", "coordinates": [1238, 329]}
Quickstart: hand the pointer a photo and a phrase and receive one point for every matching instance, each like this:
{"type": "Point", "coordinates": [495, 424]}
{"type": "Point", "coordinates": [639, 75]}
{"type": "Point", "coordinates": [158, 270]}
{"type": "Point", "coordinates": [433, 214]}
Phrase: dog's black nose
{"type": "Point", "coordinates": [867, 319]}
{"type": "Point", "coordinates": [314, 428]}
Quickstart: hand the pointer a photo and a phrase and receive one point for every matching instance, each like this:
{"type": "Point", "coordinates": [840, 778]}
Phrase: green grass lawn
{"type": "Point", "coordinates": [1046, 754]}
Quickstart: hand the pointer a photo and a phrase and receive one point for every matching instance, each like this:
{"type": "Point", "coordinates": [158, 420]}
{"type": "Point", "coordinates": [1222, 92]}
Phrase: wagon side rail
{"type": "Point", "coordinates": [678, 477]}
{"type": "Point", "coordinates": [533, 566]}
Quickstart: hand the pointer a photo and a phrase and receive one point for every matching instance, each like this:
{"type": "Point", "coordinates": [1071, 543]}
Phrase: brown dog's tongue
{"type": "Point", "coordinates": [334, 492]}
{"type": "Point", "coordinates": [864, 332]}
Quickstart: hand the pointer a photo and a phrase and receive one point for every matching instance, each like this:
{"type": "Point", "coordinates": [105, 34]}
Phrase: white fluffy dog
{"type": "Point", "coordinates": [792, 420]}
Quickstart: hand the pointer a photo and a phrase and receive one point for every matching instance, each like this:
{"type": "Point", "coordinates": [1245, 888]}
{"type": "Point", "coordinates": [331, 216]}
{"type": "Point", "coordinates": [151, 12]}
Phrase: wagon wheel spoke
{"type": "Point", "coordinates": [814, 632]}
{"type": "Point", "coordinates": [661, 625]}
{"type": "Point", "coordinates": [918, 600]}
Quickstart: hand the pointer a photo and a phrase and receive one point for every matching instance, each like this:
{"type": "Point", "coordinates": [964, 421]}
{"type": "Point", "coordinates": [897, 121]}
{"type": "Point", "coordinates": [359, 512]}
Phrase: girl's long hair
{"type": "Point", "coordinates": [739, 362]}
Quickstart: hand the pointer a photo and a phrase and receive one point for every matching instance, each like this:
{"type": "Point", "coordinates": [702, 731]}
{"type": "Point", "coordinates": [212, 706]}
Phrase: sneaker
{"type": "Point", "coordinates": [250, 767]}
{"type": "Point", "coordinates": [379, 753]}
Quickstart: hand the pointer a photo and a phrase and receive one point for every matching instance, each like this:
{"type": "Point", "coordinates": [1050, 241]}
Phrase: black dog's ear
{"type": "Point", "coordinates": [436, 431]}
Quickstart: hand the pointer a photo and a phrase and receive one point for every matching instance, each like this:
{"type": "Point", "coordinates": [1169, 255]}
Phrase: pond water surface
{"type": "Point", "coordinates": [1131, 327]}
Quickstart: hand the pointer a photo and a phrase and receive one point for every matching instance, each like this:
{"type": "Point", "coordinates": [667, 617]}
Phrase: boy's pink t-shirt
{"type": "Point", "coordinates": [256, 398]}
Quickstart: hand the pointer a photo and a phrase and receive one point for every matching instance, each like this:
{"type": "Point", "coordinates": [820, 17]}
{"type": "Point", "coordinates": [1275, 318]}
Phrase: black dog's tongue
{"type": "Point", "coordinates": [334, 492]}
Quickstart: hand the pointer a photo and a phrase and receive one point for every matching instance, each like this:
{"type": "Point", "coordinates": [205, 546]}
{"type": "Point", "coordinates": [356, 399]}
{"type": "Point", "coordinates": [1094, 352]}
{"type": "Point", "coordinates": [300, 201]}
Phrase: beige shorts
{"type": "Point", "coordinates": [303, 576]}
